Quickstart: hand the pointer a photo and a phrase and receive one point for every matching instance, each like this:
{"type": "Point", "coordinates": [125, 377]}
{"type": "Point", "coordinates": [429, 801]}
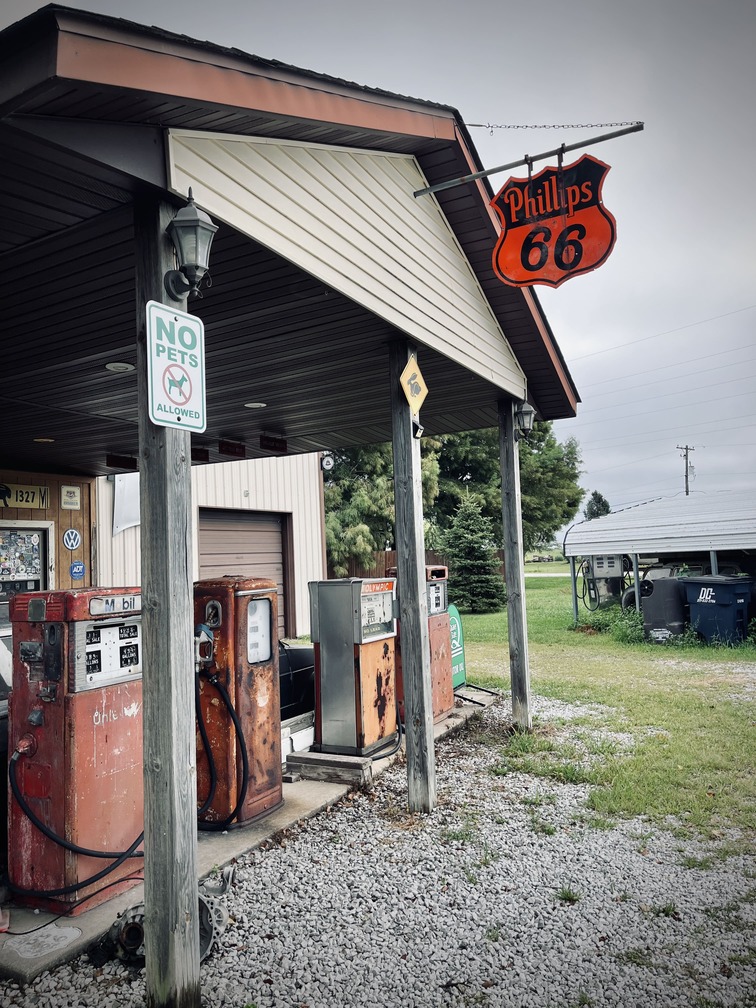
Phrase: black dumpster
{"type": "Point", "coordinates": [719, 606]}
{"type": "Point", "coordinates": [663, 605]}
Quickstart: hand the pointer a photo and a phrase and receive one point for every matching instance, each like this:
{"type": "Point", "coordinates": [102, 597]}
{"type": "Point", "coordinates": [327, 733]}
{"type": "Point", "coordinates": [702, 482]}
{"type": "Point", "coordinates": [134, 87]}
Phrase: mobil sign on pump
{"type": "Point", "coordinates": [554, 225]}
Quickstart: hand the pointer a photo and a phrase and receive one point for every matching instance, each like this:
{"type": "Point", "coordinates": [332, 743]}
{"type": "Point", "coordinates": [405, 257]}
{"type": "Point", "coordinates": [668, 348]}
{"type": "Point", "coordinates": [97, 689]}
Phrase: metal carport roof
{"type": "Point", "coordinates": [670, 525]}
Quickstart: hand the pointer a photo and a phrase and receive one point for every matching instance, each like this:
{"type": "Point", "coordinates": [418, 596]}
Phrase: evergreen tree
{"type": "Point", "coordinates": [597, 505]}
{"type": "Point", "coordinates": [549, 480]}
{"type": "Point", "coordinates": [475, 581]}
{"type": "Point", "coordinates": [359, 503]}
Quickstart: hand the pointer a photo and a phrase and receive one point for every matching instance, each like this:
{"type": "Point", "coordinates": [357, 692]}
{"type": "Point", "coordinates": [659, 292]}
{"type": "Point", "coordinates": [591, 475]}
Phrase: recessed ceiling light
{"type": "Point", "coordinates": [119, 367]}
{"type": "Point", "coordinates": [44, 440]}
{"type": "Point", "coordinates": [255, 405]}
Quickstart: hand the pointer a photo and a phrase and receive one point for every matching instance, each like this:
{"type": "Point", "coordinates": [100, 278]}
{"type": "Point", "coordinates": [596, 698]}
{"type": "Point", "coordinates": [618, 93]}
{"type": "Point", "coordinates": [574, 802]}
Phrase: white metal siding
{"type": "Point", "coordinates": [696, 523]}
{"type": "Point", "coordinates": [281, 485]}
{"type": "Point", "coordinates": [348, 217]}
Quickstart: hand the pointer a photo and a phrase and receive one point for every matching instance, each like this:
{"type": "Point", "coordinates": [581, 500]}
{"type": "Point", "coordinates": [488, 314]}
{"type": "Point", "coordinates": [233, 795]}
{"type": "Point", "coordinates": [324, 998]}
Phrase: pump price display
{"type": "Point", "coordinates": [110, 649]}
{"type": "Point", "coordinates": [377, 609]}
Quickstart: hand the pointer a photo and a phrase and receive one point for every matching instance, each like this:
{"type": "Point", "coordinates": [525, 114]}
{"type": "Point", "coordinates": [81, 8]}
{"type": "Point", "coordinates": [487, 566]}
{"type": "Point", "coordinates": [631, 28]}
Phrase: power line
{"type": "Point", "coordinates": [662, 409]}
{"type": "Point", "coordinates": [670, 430]}
{"type": "Point", "coordinates": [666, 332]}
{"type": "Point", "coordinates": [708, 385]}
{"type": "Point", "coordinates": [666, 367]}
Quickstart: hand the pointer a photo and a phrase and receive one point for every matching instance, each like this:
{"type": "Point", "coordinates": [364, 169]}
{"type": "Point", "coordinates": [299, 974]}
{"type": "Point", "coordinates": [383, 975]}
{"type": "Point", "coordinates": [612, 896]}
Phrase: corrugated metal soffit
{"type": "Point", "coordinates": [348, 217]}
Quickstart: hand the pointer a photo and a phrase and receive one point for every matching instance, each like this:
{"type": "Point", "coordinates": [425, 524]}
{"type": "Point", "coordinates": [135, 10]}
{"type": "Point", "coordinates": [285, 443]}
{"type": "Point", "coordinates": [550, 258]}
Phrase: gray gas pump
{"type": "Point", "coordinates": [353, 627]}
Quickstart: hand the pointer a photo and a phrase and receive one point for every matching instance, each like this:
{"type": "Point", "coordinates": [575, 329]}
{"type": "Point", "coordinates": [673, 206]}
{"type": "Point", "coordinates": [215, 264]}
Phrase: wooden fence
{"type": "Point", "coordinates": [385, 560]}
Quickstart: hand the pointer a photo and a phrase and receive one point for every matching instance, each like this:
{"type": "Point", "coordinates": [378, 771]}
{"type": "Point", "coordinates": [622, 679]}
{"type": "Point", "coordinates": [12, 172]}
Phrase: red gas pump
{"type": "Point", "coordinates": [75, 806]}
{"type": "Point", "coordinates": [439, 640]}
{"type": "Point", "coordinates": [239, 772]}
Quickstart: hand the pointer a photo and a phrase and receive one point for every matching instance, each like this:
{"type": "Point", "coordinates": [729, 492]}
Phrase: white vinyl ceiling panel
{"type": "Point", "coordinates": [348, 217]}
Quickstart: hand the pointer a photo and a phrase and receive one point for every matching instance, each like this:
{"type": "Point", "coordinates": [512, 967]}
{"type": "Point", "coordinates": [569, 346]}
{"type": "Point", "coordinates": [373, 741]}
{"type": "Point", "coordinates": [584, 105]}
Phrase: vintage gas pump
{"type": "Point", "coordinates": [75, 807]}
{"type": "Point", "coordinates": [353, 627]}
{"type": "Point", "coordinates": [239, 773]}
{"type": "Point", "coordinates": [439, 640]}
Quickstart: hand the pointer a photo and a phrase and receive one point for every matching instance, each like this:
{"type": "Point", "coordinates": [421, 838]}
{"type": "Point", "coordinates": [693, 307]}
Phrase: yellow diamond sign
{"type": "Point", "coordinates": [413, 385]}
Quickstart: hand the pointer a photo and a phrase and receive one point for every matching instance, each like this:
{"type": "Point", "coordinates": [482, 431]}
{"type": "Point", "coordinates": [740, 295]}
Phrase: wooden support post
{"type": "Point", "coordinates": [413, 600]}
{"type": "Point", "coordinates": [514, 567]}
{"type": "Point", "coordinates": [171, 923]}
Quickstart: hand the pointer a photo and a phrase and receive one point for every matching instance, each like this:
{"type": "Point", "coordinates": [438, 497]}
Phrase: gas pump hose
{"type": "Point", "coordinates": [117, 858]}
{"type": "Point", "coordinates": [206, 745]}
{"type": "Point", "coordinates": [220, 826]}
{"type": "Point", "coordinates": [61, 841]}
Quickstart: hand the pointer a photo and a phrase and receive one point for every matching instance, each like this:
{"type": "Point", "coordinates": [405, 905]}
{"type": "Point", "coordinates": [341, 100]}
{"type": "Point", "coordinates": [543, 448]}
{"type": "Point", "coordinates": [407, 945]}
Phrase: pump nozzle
{"type": "Point", "coordinates": [26, 745]}
{"type": "Point", "coordinates": [203, 654]}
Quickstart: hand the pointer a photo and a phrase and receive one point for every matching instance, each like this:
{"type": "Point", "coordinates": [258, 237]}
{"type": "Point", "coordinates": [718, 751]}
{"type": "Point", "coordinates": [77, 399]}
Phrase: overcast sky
{"type": "Point", "coordinates": [660, 340]}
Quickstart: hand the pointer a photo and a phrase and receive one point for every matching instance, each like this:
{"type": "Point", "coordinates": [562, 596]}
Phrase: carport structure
{"type": "Point", "coordinates": [707, 530]}
{"type": "Point", "coordinates": [327, 274]}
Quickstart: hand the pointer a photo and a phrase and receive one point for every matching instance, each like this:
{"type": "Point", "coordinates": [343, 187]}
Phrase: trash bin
{"type": "Point", "coordinates": [719, 606]}
{"type": "Point", "coordinates": [663, 605]}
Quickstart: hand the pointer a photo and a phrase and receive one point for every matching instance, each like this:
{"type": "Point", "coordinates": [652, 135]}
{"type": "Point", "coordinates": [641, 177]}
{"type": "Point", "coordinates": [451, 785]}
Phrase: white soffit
{"type": "Point", "coordinates": [348, 217]}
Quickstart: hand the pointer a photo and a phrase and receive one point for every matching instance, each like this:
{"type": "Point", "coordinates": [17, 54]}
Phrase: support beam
{"type": "Point", "coordinates": [573, 583]}
{"type": "Point", "coordinates": [413, 601]}
{"type": "Point", "coordinates": [171, 924]}
{"type": "Point", "coordinates": [514, 567]}
{"type": "Point", "coordinates": [636, 582]}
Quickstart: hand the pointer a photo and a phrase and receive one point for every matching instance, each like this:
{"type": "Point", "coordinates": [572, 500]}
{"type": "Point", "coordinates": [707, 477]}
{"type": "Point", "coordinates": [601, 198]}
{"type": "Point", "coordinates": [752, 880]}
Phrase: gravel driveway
{"type": "Point", "coordinates": [506, 895]}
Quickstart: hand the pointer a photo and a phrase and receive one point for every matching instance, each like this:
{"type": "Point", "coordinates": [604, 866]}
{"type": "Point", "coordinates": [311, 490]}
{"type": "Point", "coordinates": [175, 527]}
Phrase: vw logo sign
{"type": "Point", "coordinates": [71, 539]}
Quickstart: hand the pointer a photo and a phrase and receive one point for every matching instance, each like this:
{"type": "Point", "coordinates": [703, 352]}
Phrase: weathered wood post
{"type": "Point", "coordinates": [171, 924]}
{"type": "Point", "coordinates": [413, 601]}
{"type": "Point", "coordinates": [514, 569]}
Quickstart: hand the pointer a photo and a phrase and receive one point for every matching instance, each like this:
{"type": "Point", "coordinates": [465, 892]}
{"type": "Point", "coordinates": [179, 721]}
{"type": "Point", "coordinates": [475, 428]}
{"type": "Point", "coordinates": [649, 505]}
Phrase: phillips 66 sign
{"type": "Point", "coordinates": [554, 225]}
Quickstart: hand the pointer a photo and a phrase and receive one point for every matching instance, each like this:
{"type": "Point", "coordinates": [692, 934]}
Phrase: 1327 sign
{"type": "Point", "coordinates": [554, 225]}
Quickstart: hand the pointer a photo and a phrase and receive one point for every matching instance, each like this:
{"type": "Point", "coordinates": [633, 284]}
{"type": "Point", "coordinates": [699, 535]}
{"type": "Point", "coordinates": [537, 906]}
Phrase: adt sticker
{"type": "Point", "coordinates": [77, 570]}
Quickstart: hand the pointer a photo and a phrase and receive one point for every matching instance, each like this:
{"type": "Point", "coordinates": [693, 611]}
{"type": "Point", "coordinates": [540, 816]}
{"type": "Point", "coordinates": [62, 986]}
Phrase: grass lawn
{"type": "Point", "coordinates": [690, 709]}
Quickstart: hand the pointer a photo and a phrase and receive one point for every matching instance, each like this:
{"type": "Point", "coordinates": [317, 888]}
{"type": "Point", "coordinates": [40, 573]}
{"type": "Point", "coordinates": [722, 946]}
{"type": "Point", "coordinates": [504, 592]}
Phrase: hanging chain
{"type": "Point", "coordinates": [543, 126]}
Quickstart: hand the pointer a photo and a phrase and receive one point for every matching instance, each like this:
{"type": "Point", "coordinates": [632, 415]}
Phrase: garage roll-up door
{"type": "Point", "coordinates": [245, 543]}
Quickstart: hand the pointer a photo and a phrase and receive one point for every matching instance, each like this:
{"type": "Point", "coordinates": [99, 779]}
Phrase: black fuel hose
{"type": "Point", "coordinates": [220, 826]}
{"type": "Point", "coordinates": [76, 886]}
{"type": "Point", "coordinates": [206, 744]}
{"type": "Point", "coordinates": [61, 841]}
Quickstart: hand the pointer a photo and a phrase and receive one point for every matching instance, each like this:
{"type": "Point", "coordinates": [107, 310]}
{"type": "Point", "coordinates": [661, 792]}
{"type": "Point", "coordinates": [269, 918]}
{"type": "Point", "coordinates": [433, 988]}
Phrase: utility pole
{"type": "Point", "coordinates": [686, 450]}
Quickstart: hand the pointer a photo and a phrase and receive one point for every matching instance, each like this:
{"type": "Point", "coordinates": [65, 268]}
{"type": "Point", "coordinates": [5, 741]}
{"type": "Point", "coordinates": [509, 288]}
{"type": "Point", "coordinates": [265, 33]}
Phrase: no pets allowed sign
{"type": "Point", "coordinates": [175, 368]}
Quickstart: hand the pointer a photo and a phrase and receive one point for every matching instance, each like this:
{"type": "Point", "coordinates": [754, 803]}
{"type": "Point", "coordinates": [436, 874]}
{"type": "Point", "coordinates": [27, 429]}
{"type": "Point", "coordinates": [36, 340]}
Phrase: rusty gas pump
{"type": "Point", "coordinates": [439, 642]}
{"type": "Point", "coordinates": [353, 627]}
{"type": "Point", "coordinates": [239, 772]}
{"type": "Point", "coordinates": [75, 807]}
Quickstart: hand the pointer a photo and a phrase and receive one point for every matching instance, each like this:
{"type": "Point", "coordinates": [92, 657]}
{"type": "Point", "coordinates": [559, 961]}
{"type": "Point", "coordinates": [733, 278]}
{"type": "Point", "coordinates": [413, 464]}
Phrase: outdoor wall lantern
{"type": "Point", "coordinates": [524, 418]}
{"type": "Point", "coordinates": [191, 232]}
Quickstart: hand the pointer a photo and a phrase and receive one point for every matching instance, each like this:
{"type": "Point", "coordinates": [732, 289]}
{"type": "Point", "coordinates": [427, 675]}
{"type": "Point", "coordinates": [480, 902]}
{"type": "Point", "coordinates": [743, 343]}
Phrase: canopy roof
{"type": "Point", "coordinates": [96, 113]}
{"type": "Point", "coordinates": [698, 523]}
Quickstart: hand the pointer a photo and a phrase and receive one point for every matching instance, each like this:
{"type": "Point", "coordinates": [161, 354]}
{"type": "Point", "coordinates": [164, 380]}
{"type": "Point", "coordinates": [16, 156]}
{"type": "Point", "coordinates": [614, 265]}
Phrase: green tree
{"type": "Point", "coordinates": [359, 502]}
{"type": "Point", "coordinates": [549, 480]}
{"type": "Point", "coordinates": [359, 491]}
{"type": "Point", "coordinates": [549, 474]}
{"type": "Point", "coordinates": [597, 505]}
{"type": "Point", "coordinates": [475, 580]}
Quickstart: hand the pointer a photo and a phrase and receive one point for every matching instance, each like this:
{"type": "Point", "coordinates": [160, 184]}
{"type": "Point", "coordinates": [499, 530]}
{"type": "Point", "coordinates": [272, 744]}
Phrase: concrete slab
{"type": "Point", "coordinates": [37, 941]}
